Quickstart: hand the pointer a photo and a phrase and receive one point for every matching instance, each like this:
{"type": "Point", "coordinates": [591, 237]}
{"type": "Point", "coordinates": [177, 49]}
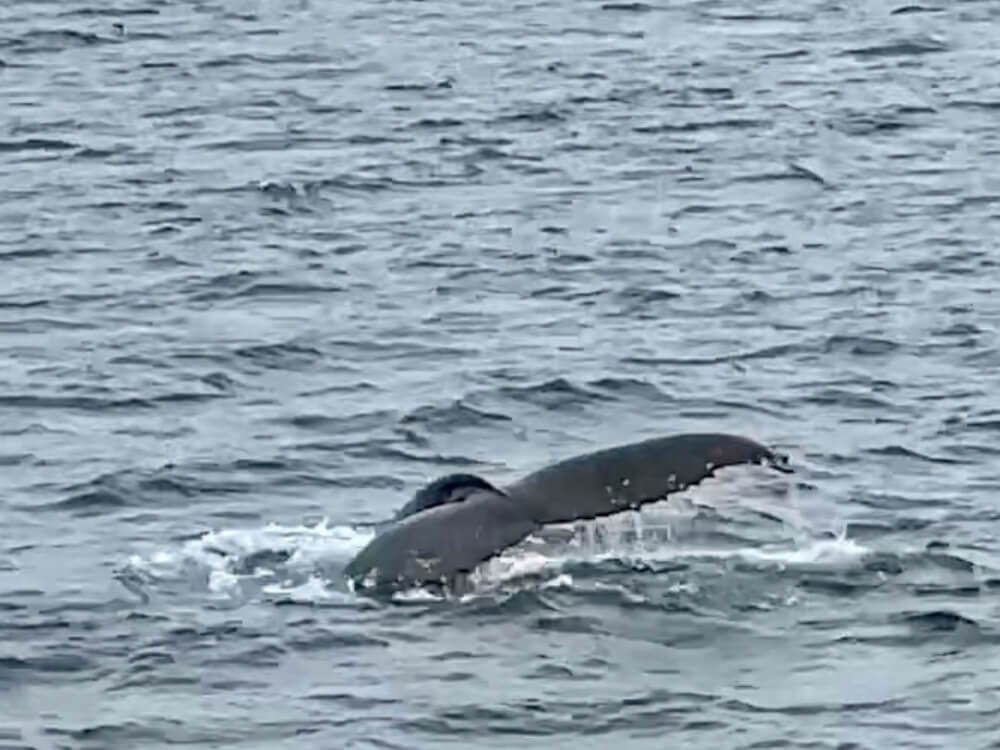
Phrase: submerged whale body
{"type": "Point", "coordinates": [459, 521]}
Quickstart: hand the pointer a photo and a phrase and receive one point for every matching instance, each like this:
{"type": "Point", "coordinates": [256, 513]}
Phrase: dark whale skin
{"type": "Point", "coordinates": [458, 522]}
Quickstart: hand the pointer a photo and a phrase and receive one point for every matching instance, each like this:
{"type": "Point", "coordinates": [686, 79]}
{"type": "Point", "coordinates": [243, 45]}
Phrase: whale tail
{"type": "Point", "coordinates": [459, 521]}
{"type": "Point", "coordinates": [626, 477]}
{"type": "Point", "coordinates": [451, 488]}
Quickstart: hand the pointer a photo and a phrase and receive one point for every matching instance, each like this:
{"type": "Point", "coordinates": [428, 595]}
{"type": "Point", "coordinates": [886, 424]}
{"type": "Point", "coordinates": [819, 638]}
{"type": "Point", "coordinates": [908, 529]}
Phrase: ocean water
{"type": "Point", "coordinates": [266, 268]}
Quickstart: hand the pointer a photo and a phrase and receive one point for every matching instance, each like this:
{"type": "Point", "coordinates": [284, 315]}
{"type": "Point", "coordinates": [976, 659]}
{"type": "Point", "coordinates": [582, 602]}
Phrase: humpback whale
{"type": "Point", "coordinates": [459, 521]}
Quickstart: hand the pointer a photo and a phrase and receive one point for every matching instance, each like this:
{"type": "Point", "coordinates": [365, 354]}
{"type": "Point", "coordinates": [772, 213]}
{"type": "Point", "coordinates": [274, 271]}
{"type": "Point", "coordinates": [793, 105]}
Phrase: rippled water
{"type": "Point", "coordinates": [268, 267]}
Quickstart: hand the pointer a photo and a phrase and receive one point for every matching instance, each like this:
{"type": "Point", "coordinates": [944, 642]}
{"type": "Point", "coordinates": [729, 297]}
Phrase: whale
{"type": "Point", "coordinates": [459, 521]}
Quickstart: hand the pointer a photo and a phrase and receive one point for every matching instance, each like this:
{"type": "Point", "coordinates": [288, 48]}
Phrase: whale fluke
{"type": "Point", "coordinates": [459, 521]}
{"type": "Point", "coordinates": [628, 476]}
{"type": "Point", "coordinates": [452, 488]}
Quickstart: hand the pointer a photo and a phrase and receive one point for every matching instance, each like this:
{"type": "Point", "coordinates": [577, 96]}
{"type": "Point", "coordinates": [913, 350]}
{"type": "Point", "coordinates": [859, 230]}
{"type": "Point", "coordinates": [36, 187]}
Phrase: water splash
{"type": "Point", "coordinates": [291, 562]}
{"type": "Point", "coordinates": [303, 563]}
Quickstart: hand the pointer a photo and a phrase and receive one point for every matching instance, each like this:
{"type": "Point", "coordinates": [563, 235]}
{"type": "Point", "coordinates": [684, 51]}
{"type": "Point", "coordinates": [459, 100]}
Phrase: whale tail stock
{"type": "Point", "coordinates": [459, 521]}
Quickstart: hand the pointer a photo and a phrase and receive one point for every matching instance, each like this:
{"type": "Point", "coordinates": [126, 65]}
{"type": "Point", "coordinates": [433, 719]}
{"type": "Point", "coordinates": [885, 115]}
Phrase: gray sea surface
{"type": "Point", "coordinates": [268, 267]}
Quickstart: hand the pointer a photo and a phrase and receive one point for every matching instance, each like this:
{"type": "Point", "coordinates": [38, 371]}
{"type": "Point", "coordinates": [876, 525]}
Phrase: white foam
{"type": "Point", "coordinates": [838, 552]}
{"type": "Point", "coordinates": [312, 591]}
{"type": "Point", "coordinates": [310, 543]}
{"type": "Point", "coordinates": [796, 553]}
{"type": "Point", "coordinates": [223, 582]}
{"type": "Point", "coordinates": [216, 558]}
{"type": "Point", "coordinates": [515, 564]}
{"type": "Point", "coordinates": [799, 552]}
{"type": "Point", "coordinates": [561, 581]}
{"type": "Point", "coordinates": [416, 595]}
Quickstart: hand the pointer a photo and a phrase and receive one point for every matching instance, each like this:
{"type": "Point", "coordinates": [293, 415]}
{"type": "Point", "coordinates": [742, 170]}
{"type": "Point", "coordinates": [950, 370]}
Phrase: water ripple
{"type": "Point", "coordinates": [269, 269]}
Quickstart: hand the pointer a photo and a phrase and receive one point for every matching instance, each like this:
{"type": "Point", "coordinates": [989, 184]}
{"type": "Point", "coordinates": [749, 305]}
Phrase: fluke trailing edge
{"type": "Point", "coordinates": [459, 521]}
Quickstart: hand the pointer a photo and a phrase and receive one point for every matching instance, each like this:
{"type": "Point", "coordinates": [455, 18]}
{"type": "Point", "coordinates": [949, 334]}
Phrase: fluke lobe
{"type": "Point", "coordinates": [461, 520]}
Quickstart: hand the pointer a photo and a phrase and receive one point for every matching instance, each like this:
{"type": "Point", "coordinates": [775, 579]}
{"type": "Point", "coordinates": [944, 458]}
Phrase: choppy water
{"type": "Point", "coordinates": [268, 267]}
